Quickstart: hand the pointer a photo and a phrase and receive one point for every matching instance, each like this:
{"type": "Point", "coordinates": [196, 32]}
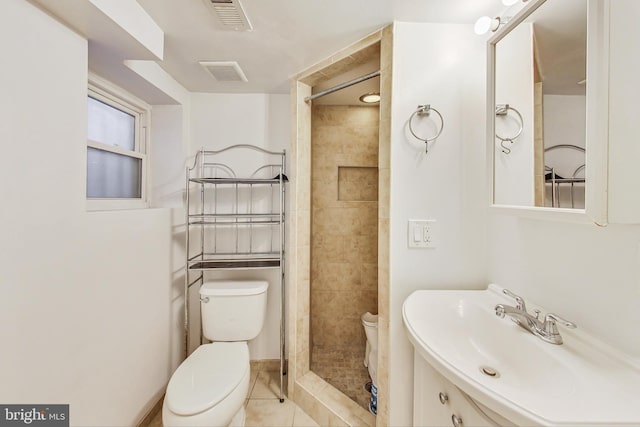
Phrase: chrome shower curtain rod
{"type": "Point", "coordinates": [342, 86]}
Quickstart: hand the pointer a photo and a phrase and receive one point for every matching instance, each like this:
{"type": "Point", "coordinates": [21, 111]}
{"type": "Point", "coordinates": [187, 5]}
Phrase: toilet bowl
{"type": "Point", "coordinates": [370, 324]}
{"type": "Point", "coordinates": [210, 386]}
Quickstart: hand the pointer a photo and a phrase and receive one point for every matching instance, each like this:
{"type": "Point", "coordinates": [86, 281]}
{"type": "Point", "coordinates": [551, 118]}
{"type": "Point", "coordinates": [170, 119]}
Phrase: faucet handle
{"type": "Point", "coordinates": [519, 300]}
{"type": "Point", "coordinates": [550, 319]}
{"type": "Point", "coordinates": [549, 330]}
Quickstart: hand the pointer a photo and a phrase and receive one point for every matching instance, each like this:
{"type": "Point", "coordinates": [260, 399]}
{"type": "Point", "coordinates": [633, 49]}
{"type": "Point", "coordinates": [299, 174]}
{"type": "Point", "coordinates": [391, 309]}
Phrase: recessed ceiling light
{"type": "Point", "coordinates": [370, 98]}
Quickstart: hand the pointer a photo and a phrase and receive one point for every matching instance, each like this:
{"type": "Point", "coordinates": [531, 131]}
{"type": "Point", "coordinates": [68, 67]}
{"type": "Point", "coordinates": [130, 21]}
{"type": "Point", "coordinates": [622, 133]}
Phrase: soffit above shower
{"type": "Point", "coordinates": [350, 95]}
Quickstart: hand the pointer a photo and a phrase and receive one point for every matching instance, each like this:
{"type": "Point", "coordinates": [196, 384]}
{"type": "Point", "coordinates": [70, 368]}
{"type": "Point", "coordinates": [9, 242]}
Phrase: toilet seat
{"type": "Point", "coordinates": [207, 377]}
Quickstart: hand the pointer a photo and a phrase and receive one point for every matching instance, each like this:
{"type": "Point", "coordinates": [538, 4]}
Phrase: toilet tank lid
{"type": "Point", "coordinates": [233, 287]}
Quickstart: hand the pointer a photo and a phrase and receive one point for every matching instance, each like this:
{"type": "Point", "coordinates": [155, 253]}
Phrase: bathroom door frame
{"type": "Point", "coordinates": [309, 391]}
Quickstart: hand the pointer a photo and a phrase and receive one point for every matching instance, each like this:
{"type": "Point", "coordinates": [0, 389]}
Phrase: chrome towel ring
{"type": "Point", "coordinates": [425, 110]}
{"type": "Point", "coordinates": [503, 110]}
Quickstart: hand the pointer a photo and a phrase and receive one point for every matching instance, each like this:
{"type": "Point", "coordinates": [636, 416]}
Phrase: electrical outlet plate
{"type": "Point", "coordinates": [421, 233]}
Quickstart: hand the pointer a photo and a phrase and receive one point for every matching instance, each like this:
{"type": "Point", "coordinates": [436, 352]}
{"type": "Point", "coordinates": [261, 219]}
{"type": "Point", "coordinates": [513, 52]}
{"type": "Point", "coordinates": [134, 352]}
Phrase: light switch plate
{"type": "Point", "coordinates": [422, 233]}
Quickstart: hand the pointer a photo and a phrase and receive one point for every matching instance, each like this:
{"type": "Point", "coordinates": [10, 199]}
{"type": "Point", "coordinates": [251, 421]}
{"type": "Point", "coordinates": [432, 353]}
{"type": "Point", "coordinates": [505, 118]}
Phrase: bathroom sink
{"type": "Point", "coordinates": [526, 380]}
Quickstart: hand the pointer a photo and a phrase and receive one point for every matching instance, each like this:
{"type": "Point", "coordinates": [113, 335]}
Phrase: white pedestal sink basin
{"type": "Point", "coordinates": [581, 382]}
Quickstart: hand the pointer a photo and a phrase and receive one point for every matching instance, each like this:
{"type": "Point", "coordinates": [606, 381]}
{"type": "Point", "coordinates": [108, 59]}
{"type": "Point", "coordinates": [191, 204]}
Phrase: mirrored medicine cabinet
{"type": "Point", "coordinates": [553, 131]}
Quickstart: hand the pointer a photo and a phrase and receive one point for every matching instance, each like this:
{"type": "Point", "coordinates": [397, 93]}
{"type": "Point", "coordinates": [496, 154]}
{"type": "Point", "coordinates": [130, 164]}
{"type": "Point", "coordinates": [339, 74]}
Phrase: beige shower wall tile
{"type": "Point", "coordinates": [359, 175]}
{"type": "Point", "coordinates": [333, 116]}
{"type": "Point", "coordinates": [325, 192]}
{"type": "Point", "coordinates": [328, 248]}
{"type": "Point", "coordinates": [303, 298]}
{"type": "Point", "coordinates": [326, 169]}
{"type": "Point", "coordinates": [384, 196]}
{"type": "Point", "coordinates": [383, 370]}
{"type": "Point", "coordinates": [367, 48]}
{"type": "Point", "coordinates": [367, 300]}
{"type": "Point", "coordinates": [343, 331]}
{"type": "Point", "coordinates": [369, 276]}
{"type": "Point", "coordinates": [323, 303]}
{"type": "Point", "coordinates": [358, 183]}
{"type": "Point", "coordinates": [386, 47]}
{"type": "Point", "coordinates": [361, 248]}
{"type": "Point", "coordinates": [352, 191]}
{"type": "Point", "coordinates": [362, 117]}
{"type": "Point", "coordinates": [327, 140]}
{"type": "Point", "coordinates": [339, 116]}
{"type": "Point", "coordinates": [305, 399]}
{"type": "Point", "coordinates": [303, 224]}
{"type": "Point", "coordinates": [346, 412]}
{"type": "Point", "coordinates": [336, 276]}
{"type": "Point", "coordinates": [336, 221]}
{"type": "Point", "coordinates": [304, 263]}
{"type": "Point", "coordinates": [368, 214]}
{"type": "Point", "coordinates": [360, 153]}
{"type": "Point", "coordinates": [384, 147]}
{"type": "Point", "coordinates": [383, 290]}
{"type": "Point", "coordinates": [336, 318]}
{"type": "Point", "coordinates": [302, 365]}
{"type": "Point", "coordinates": [369, 192]}
{"type": "Point", "coordinates": [302, 331]}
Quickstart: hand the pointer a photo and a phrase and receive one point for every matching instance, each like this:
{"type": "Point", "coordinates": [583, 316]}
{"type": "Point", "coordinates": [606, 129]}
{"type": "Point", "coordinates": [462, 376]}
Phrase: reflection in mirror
{"type": "Point", "coordinates": [540, 117]}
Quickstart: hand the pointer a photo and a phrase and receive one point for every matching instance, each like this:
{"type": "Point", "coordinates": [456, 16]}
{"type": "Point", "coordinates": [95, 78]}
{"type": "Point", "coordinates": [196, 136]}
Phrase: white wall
{"type": "Point", "coordinates": [585, 273]}
{"type": "Point", "coordinates": [86, 296]}
{"type": "Point", "coordinates": [220, 120]}
{"type": "Point", "coordinates": [442, 65]}
{"type": "Point", "coordinates": [514, 184]}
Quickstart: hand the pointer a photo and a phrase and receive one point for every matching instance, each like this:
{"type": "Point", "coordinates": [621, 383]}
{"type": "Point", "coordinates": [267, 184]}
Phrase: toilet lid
{"type": "Point", "coordinates": [207, 376]}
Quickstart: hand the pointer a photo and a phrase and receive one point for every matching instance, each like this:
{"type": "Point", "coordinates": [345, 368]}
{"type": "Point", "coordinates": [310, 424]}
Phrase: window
{"type": "Point", "coordinates": [116, 148]}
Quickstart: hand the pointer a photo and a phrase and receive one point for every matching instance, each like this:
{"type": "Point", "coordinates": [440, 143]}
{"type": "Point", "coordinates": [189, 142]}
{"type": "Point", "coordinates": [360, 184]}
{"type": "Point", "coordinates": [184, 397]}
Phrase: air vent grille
{"type": "Point", "coordinates": [230, 14]}
{"type": "Point", "coordinates": [224, 71]}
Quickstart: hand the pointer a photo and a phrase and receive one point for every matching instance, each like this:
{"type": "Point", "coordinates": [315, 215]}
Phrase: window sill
{"type": "Point", "coordinates": [95, 205]}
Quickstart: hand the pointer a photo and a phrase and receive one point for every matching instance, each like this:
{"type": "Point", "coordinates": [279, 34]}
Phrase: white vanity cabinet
{"type": "Point", "coordinates": [437, 402]}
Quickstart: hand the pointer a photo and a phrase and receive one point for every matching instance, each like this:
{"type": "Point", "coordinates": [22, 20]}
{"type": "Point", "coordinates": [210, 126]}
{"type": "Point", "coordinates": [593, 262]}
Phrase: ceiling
{"type": "Point", "coordinates": [288, 36]}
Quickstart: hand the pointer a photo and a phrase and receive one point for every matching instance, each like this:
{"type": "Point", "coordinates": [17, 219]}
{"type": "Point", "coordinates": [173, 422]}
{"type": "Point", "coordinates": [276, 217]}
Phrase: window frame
{"type": "Point", "coordinates": [116, 97]}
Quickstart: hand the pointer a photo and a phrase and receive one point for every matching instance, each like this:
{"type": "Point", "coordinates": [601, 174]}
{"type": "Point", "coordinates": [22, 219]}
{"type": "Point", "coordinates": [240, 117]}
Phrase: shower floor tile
{"type": "Point", "coordinates": [343, 368]}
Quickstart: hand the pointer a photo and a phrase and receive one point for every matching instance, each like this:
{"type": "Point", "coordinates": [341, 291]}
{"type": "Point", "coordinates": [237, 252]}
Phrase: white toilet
{"type": "Point", "coordinates": [370, 324]}
{"type": "Point", "coordinates": [210, 386]}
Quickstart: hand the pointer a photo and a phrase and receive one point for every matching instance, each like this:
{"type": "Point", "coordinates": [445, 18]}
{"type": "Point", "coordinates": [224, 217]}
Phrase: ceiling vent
{"type": "Point", "coordinates": [224, 71]}
{"type": "Point", "coordinates": [230, 14]}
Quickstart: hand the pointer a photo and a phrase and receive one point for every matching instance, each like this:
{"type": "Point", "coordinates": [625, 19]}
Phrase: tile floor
{"type": "Point", "coordinates": [343, 368]}
{"type": "Point", "coordinates": [263, 406]}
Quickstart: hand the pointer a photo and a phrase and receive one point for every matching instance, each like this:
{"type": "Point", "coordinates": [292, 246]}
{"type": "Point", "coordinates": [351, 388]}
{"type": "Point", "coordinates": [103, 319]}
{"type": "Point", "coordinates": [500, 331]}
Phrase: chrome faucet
{"type": "Point", "coordinates": [545, 329]}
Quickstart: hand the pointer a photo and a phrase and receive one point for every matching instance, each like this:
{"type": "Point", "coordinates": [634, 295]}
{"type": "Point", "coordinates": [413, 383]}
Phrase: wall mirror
{"type": "Point", "coordinates": [538, 91]}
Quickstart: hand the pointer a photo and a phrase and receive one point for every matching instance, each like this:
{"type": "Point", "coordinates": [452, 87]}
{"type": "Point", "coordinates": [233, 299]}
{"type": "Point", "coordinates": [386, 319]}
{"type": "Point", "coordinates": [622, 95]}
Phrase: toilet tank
{"type": "Point", "coordinates": [233, 310]}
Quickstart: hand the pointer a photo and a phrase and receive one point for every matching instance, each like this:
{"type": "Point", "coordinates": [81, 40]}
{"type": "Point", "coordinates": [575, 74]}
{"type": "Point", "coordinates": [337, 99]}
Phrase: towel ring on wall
{"type": "Point", "coordinates": [426, 110]}
{"type": "Point", "coordinates": [503, 110]}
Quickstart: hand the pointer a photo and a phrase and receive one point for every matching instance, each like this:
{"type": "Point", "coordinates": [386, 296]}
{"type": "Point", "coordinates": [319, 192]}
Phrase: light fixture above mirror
{"type": "Point", "coordinates": [484, 24]}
